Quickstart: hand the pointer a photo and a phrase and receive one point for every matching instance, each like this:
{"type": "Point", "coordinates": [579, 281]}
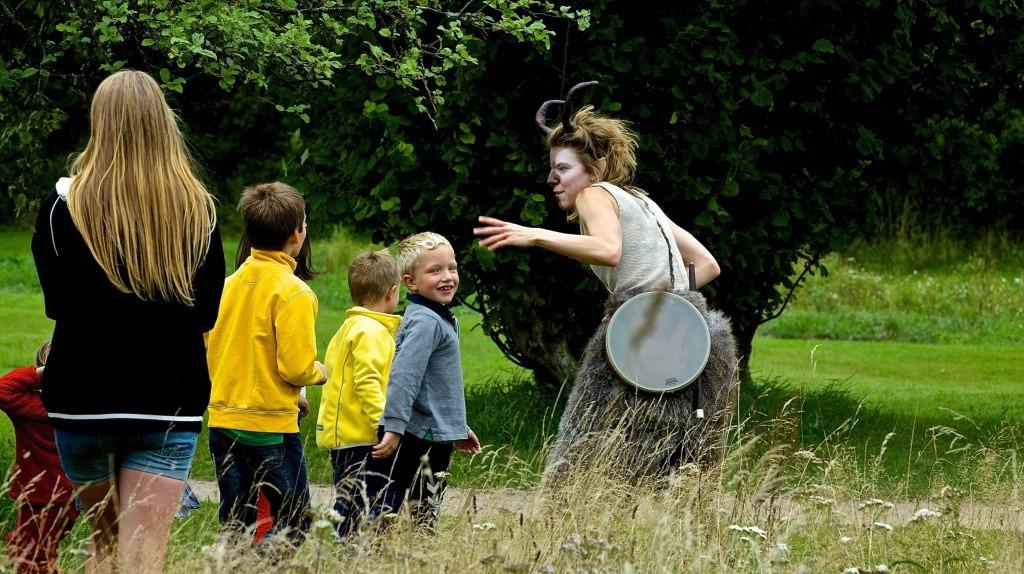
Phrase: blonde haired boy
{"type": "Point", "coordinates": [359, 360]}
{"type": "Point", "coordinates": [426, 408]}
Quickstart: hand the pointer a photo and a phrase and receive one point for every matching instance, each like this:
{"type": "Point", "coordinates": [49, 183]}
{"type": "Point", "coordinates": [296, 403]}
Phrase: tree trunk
{"type": "Point", "coordinates": [545, 333]}
{"type": "Point", "coordinates": [542, 349]}
{"type": "Point", "coordinates": [744, 331]}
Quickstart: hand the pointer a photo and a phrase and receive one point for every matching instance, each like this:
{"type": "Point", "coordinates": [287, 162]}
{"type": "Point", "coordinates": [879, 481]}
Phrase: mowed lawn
{"type": "Point", "coordinates": [983, 382]}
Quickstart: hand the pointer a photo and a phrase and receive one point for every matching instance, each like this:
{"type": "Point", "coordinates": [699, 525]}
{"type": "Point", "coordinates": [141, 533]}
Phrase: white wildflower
{"type": "Point", "coordinates": [821, 501]}
{"type": "Point", "coordinates": [925, 514]}
{"type": "Point", "coordinates": [484, 526]}
{"type": "Point", "coordinates": [205, 550]}
{"type": "Point", "coordinates": [325, 524]}
{"type": "Point", "coordinates": [871, 502]}
{"type": "Point", "coordinates": [845, 539]}
{"type": "Point", "coordinates": [881, 568]}
{"type": "Point", "coordinates": [883, 526]}
{"type": "Point", "coordinates": [600, 544]}
{"type": "Point", "coordinates": [574, 543]}
{"type": "Point", "coordinates": [779, 554]}
{"type": "Point", "coordinates": [216, 551]}
{"type": "Point", "coordinates": [808, 456]}
{"type": "Point", "coordinates": [334, 516]}
{"type": "Point", "coordinates": [852, 570]}
{"type": "Point", "coordinates": [950, 492]}
{"type": "Point", "coordinates": [749, 530]}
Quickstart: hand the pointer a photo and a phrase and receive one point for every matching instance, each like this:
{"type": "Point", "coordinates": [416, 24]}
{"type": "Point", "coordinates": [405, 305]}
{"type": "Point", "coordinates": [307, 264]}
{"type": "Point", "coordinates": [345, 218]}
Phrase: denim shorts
{"type": "Point", "coordinates": [93, 456]}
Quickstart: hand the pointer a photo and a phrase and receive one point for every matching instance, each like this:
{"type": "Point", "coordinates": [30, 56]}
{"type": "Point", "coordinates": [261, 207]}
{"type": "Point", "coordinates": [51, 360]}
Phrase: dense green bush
{"type": "Point", "coordinates": [773, 131]}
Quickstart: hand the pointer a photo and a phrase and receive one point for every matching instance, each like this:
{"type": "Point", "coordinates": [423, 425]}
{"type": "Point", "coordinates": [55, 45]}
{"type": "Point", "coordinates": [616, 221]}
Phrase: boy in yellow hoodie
{"type": "Point", "coordinates": [358, 360]}
{"type": "Point", "coordinates": [260, 353]}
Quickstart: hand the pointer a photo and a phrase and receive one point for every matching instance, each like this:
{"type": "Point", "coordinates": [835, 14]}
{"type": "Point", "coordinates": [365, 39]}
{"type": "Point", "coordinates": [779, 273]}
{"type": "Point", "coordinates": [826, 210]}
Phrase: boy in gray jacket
{"type": "Point", "coordinates": [425, 411]}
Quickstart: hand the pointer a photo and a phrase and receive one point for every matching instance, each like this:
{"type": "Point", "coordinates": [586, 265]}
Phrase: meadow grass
{"type": "Point", "coordinates": [829, 443]}
{"type": "Point", "coordinates": [912, 390]}
{"type": "Point", "coordinates": [768, 507]}
{"type": "Point", "coordinates": [925, 290]}
{"type": "Point", "coordinates": [924, 334]}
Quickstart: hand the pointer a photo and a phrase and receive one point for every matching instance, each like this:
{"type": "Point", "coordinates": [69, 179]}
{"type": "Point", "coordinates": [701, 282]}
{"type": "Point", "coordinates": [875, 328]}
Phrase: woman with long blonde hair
{"type": "Point", "coordinates": [131, 266]}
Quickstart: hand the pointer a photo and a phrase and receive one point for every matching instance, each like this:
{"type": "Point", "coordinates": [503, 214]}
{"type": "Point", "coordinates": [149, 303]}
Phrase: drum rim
{"type": "Point", "coordinates": [624, 378]}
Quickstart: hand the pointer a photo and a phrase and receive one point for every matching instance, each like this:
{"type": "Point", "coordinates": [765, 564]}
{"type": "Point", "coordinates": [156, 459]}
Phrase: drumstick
{"type": "Point", "coordinates": [698, 394]}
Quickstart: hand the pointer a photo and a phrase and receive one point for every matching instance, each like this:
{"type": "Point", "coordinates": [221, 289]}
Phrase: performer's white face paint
{"type": "Point", "coordinates": [568, 176]}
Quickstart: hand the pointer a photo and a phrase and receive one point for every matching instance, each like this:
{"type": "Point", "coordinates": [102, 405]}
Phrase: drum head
{"type": "Point", "coordinates": [658, 342]}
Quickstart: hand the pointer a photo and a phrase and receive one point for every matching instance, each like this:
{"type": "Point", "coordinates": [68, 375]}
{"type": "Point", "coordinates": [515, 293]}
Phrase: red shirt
{"type": "Point", "coordinates": [38, 478]}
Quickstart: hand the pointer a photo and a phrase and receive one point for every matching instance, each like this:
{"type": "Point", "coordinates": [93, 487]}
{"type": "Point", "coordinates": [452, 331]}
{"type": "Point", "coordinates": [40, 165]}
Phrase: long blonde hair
{"type": "Point", "coordinates": [144, 215]}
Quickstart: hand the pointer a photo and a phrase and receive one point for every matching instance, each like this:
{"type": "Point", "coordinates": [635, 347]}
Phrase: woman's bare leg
{"type": "Point", "coordinates": [149, 502]}
{"type": "Point", "coordinates": [100, 506]}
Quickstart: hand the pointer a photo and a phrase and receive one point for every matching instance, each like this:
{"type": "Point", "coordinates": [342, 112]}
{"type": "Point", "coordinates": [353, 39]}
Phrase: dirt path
{"type": "Point", "coordinates": [1007, 516]}
{"type": "Point", "coordinates": [506, 499]}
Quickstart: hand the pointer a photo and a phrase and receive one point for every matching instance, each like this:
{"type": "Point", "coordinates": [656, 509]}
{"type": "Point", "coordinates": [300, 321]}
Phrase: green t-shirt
{"type": "Point", "coordinates": [254, 438]}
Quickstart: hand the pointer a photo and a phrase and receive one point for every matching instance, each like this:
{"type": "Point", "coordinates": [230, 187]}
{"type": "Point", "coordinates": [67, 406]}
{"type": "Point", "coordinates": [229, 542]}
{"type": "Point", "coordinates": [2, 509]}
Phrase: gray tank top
{"type": "Point", "coordinates": [644, 264]}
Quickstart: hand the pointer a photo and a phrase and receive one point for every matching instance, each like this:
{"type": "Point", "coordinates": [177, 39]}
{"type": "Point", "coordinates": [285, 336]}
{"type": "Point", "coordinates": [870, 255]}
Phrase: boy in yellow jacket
{"type": "Point", "coordinates": [260, 353]}
{"type": "Point", "coordinates": [358, 360]}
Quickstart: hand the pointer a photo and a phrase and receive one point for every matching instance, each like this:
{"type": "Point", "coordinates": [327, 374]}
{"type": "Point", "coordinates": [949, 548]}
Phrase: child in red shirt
{"type": "Point", "coordinates": [46, 510]}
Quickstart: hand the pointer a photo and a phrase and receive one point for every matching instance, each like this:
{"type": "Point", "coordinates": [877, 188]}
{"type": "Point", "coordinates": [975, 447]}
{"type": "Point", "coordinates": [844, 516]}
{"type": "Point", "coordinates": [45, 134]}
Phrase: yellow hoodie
{"type": "Point", "coordinates": [263, 347]}
{"type": "Point", "coordinates": [358, 361]}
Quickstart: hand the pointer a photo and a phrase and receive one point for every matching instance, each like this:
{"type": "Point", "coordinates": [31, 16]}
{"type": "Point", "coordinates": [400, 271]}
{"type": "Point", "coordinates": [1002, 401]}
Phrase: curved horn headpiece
{"type": "Point", "coordinates": [542, 115]}
{"type": "Point", "coordinates": [566, 104]}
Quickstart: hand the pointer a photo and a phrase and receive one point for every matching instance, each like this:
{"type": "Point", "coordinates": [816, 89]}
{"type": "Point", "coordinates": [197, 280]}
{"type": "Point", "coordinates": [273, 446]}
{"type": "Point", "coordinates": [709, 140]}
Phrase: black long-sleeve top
{"type": "Point", "coordinates": [117, 361]}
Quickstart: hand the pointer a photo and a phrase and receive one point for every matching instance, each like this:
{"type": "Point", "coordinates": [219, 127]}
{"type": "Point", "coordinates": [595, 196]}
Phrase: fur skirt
{"type": "Point", "coordinates": [640, 434]}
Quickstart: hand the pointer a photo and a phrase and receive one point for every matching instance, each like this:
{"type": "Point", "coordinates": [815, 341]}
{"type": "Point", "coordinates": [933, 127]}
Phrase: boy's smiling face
{"type": "Point", "coordinates": [435, 275]}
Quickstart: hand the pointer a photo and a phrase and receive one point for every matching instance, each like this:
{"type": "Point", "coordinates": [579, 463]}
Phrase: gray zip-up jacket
{"type": "Point", "coordinates": [425, 393]}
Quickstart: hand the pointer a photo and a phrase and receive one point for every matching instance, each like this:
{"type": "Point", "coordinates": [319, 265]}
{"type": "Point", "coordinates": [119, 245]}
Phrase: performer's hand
{"type": "Point", "coordinates": [388, 445]}
{"type": "Point", "coordinates": [468, 445]}
{"type": "Point", "coordinates": [303, 407]}
{"type": "Point", "coordinates": [497, 234]}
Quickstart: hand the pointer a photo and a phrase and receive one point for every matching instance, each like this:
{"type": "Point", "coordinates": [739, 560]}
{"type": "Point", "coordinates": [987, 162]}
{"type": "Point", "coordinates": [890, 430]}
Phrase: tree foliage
{"type": "Point", "coordinates": [772, 131]}
{"type": "Point", "coordinates": [287, 52]}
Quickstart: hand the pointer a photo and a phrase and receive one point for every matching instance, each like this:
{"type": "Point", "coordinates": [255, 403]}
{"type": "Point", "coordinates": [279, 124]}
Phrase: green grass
{"type": "Point", "coordinates": [920, 337]}
{"type": "Point", "coordinates": [981, 382]}
{"type": "Point", "coordinates": [929, 404]}
{"type": "Point", "coordinates": [878, 377]}
{"type": "Point", "coordinates": [926, 291]}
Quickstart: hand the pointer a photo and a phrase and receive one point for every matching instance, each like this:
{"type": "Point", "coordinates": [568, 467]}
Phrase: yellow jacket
{"type": "Point", "coordinates": [263, 347]}
{"type": "Point", "coordinates": [358, 361]}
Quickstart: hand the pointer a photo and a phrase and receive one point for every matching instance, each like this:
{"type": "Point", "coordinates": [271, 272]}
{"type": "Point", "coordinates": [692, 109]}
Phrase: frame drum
{"type": "Point", "coordinates": [658, 342]}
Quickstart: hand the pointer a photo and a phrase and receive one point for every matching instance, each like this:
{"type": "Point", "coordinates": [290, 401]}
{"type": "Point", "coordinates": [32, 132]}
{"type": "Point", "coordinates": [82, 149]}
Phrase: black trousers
{"type": "Point", "coordinates": [418, 476]}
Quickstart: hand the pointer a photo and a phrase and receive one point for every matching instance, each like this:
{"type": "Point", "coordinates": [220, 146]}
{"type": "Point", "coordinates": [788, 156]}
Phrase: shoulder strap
{"type": "Point", "coordinates": [63, 188]}
{"type": "Point", "coordinates": [642, 200]}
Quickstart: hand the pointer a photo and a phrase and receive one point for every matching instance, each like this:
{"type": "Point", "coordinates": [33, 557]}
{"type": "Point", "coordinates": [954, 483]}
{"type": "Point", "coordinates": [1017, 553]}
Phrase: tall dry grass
{"type": "Point", "coordinates": [767, 507]}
